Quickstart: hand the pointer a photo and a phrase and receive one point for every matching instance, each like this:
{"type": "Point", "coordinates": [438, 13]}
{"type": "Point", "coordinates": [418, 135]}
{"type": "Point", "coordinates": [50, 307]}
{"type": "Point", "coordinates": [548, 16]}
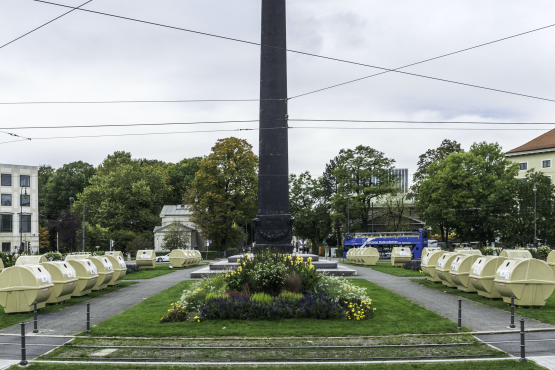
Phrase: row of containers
{"type": "Point", "coordinates": [368, 256]}
{"type": "Point", "coordinates": [34, 279]}
{"type": "Point", "coordinates": [512, 273]}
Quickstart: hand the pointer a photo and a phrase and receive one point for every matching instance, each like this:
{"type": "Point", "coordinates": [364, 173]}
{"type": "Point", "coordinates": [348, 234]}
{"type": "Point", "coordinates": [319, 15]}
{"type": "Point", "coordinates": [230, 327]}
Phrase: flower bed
{"type": "Point", "coordinates": [272, 286]}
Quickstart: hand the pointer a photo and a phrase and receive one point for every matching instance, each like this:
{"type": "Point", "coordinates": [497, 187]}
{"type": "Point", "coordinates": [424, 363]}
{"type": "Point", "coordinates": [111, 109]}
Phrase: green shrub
{"type": "Point", "coordinates": [7, 260]}
{"type": "Point", "coordinates": [176, 313]}
{"type": "Point", "coordinates": [488, 251]}
{"type": "Point", "coordinates": [542, 252]}
{"type": "Point", "coordinates": [291, 296]}
{"type": "Point", "coordinates": [193, 299]}
{"type": "Point", "coordinates": [293, 283]}
{"type": "Point", "coordinates": [53, 256]}
{"type": "Point", "coordinates": [262, 298]}
{"type": "Point", "coordinates": [215, 295]}
{"type": "Point", "coordinates": [341, 290]}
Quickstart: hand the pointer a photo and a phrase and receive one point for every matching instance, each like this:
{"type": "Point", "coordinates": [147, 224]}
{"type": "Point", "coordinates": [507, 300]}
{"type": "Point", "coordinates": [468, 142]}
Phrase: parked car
{"type": "Point", "coordinates": [165, 258]}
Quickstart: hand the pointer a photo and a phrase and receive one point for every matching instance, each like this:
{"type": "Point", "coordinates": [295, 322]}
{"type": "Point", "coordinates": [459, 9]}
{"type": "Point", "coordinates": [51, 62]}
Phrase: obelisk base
{"type": "Point", "coordinates": [273, 232]}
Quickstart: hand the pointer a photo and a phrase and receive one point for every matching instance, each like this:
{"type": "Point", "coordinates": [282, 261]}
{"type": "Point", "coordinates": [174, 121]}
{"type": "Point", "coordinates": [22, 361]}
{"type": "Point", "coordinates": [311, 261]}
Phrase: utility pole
{"type": "Point", "coordinates": [83, 227]}
{"type": "Point", "coordinates": [372, 216]}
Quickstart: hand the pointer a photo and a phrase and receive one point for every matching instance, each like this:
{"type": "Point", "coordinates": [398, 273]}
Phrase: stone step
{"type": "Point", "coordinates": [239, 257]}
{"type": "Point", "coordinates": [223, 266]}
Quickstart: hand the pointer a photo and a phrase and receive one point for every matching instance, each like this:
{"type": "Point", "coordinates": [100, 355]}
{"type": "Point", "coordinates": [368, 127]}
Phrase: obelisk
{"type": "Point", "coordinates": [273, 224]}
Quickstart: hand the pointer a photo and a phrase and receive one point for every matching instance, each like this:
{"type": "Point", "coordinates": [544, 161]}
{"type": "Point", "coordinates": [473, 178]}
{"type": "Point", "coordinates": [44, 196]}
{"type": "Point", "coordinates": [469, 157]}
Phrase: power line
{"type": "Point", "coordinates": [422, 122]}
{"type": "Point", "coordinates": [303, 53]}
{"type": "Point", "coordinates": [424, 61]}
{"type": "Point", "coordinates": [418, 128]}
{"type": "Point", "coordinates": [33, 30]}
{"type": "Point", "coordinates": [135, 101]}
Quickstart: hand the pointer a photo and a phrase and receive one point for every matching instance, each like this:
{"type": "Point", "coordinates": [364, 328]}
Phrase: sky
{"type": "Point", "coordinates": [90, 57]}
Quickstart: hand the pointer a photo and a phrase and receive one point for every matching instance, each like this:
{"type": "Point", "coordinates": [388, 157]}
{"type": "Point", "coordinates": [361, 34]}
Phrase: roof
{"type": "Point", "coordinates": [545, 141]}
{"type": "Point", "coordinates": [174, 211]}
{"type": "Point", "coordinates": [180, 225]}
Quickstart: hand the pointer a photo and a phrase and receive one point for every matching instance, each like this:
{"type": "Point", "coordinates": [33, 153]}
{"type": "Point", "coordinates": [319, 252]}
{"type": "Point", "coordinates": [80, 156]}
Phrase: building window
{"type": "Point", "coordinates": [6, 223]}
{"type": "Point", "coordinates": [6, 200]}
{"type": "Point", "coordinates": [6, 180]}
{"type": "Point", "coordinates": [25, 200]}
{"type": "Point", "coordinates": [6, 247]}
{"type": "Point", "coordinates": [25, 181]}
{"type": "Point", "coordinates": [546, 163]}
{"type": "Point", "coordinates": [25, 223]}
{"type": "Point", "coordinates": [524, 166]}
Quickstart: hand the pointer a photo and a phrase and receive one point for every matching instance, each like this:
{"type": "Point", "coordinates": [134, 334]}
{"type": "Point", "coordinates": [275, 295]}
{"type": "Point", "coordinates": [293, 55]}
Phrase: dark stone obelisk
{"type": "Point", "coordinates": [273, 224]}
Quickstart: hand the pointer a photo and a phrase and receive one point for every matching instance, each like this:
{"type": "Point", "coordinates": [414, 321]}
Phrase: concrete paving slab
{"type": "Point", "coordinates": [545, 361]}
{"type": "Point", "coordinates": [4, 364]}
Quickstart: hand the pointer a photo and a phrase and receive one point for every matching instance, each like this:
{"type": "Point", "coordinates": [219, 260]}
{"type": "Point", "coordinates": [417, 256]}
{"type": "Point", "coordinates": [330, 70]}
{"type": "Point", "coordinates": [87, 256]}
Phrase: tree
{"type": "Point", "coordinates": [177, 237]}
{"type": "Point", "coordinates": [330, 188]}
{"type": "Point", "coordinates": [125, 197]}
{"type": "Point", "coordinates": [68, 181]}
{"type": "Point", "coordinates": [67, 227]}
{"type": "Point", "coordinates": [44, 174]}
{"type": "Point", "coordinates": [362, 174]}
{"type": "Point", "coordinates": [432, 156]}
{"type": "Point", "coordinates": [44, 236]}
{"type": "Point", "coordinates": [310, 208]}
{"type": "Point", "coordinates": [181, 176]}
{"type": "Point", "coordinates": [226, 187]}
{"type": "Point", "coordinates": [468, 192]}
{"type": "Point", "coordinates": [393, 212]}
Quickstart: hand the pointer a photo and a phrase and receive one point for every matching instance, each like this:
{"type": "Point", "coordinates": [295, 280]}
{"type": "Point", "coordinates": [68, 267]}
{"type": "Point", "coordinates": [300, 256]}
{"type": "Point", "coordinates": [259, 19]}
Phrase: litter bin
{"type": "Point", "coordinates": [370, 256]}
{"type": "Point", "coordinates": [429, 265]}
{"type": "Point", "coordinates": [180, 258]}
{"type": "Point", "coordinates": [400, 256]}
{"type": "Point", "coordinates": [146, 259]}
{"type": "Point", "coordinates": [30, 260]}
{"type": "Point", "coordinates": [119, 266]}
{"type": "Point", "coordinates": [551, 260]}
{"type": "Point", "coordinates": [460, 271]}
{"type": "Point", "coordinates": [86, 275]}
{"type": "Point", "coordinates": [22, 285]}
{"type": "Point", "coordinates": [105, 272]}
{"type": "Point", "coordinates": [64, 279]}
{"type": "Point", "coordinates": [531, 281]}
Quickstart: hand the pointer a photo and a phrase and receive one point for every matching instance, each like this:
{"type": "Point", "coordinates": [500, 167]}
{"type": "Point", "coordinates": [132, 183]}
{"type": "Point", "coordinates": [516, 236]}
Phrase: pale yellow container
{"type": "Point", "coordinates": [119, 266]}
{"type": "Point", "coordinates": [191, 257]}
{"type": "Point", "coordinates": [356, 255]}
{"type": "Point", "coordinates": [551, 260]}
{"type": "Point", "coordinates": [370, 256]}
{"type": "Point", "coordinates": [22, 285]}
{"type": "Point", "coordinates": [444, 266]}
{"type": "Point", "coordinates": [1, 265]}
{"type": "Point", "coordinates": [146, 259]}
{"type": "Point", "coordinates": [429, 249]}
{"type": "Point", "coordinates": [30, 260]}
{"type": "Point", "coordinates": [400, 256]}
{"type": "Point", "coordinates": [114, 253]}
{"type": "Point", "coordinates": [86, 274]}
{"type": "Point", "coordinates": [179, 258]}
{"type": "Point", "coordinates": [105, 272]}
{"type": "Point", "coordinates": [482, 275]}
{"type": "Point", "coordinates": [198, 256]}
{"type": "Point", "coordinates": [64, 279]}
{"type": "Point", "coordinates": [460, 272]}
{"type": "Point", "coordinates": [350, 255]}
{"type": "Point", "coordinates": [78, 256]}
{"type": "Point", "coordinates": [531, 281]}
{"type": "Point", "coordinates": [429, 264]}
{"type": "Point", "coordinates": [515, 253]}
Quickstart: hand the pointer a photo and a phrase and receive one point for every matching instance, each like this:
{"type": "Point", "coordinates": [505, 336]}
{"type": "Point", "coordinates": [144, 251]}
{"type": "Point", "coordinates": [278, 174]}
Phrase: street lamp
{"type": "Point", "coordinates": [535, 236]}
{"type": "Point", "coordinates": [196, 209]}
{"type": "Point", "coordinates": [20, 218]}
{"type": "Point", "coordinates": [71, 199]}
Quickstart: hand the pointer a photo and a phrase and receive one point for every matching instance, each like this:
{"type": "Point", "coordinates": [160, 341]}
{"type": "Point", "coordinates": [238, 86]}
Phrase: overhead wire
{"type": "Point", "coordinates": [302, 52]}
{"type": "Point", "coordinates": [39, 27]}
{"type": "Point", "coordinates": [136, 101]}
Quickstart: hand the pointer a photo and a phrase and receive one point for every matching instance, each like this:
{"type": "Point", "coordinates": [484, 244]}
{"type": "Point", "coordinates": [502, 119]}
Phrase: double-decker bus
{"type": "Point", "coordinates": [384, 241]}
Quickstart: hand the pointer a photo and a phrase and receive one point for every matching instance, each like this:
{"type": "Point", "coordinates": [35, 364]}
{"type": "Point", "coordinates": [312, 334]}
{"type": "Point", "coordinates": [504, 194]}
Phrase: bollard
{"type": "Point", "coordinates": [23, 361]}
{"type": "Point", "coordinates": [460, 313]}
{"type": "Point", "coordinates": [522, 344]}
{"type": "Point", "coordinates": [88, 317]}
{"type": "Point", "coordinates": [512, 326]}
{"type": "Point", "coordinates": [35, 320]}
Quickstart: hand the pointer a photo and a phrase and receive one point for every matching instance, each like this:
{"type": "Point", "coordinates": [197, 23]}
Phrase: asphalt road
{"type": "Point", "coordinates": [537, 343]}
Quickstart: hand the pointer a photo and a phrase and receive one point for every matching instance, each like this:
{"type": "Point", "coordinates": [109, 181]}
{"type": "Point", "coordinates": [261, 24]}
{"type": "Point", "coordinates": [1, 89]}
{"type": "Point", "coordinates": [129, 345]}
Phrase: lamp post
{"type": "Point", "coordinates": [348, 210]}
{"type": "Point", "coordinates": [20, 219]}
{"type": "Point", "coordinates": [535, 235]}
{"type": "Point", "coordinates": [196, 231]}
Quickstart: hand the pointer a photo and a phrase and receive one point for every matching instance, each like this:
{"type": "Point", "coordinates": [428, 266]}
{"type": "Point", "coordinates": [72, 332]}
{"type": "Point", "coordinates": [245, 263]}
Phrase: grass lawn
{"type": "Point", "coordinates": [395, 315]}
{"type": "Point", "coordinates": [386, 267]}
{"type": "Point", "coordinates": [481, 365]}
{"type": "Point", "coordinates": [546, 314]}
{"type": "Point", "coordinates": [15, 318]}
{"type": "Point", "coordinates": [158, 270]}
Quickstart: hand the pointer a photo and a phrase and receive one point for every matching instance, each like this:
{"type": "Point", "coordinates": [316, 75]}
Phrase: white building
{"type": "Point", "coordinates": [182, 217]}
{"type": "Point", "coordinates": [19, 210]}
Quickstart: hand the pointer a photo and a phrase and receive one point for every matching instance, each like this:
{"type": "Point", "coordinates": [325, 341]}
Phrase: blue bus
{"type": "Point", "coordinates": [384, 241]}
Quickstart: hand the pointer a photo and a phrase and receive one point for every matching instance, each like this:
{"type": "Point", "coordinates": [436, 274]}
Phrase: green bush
{"type": "Point", "coordinates": [291, 296]}
{"type": "Point", "coordinates": [488, 251]}
{"type": "Point", "coordinates": [193, 299]}
{"type": "Point", "coordinates": [7, 260]}
{"type": "Point", "coordinates": [215, 295]}
{"type": "Point", "coordinates": [542, 252]}
{"type": "Point", "coordinates": [341, 290]}
{"type": "Point", "coordinates": [53, 256]}
{"type": "Point", "coordinates": [262, 298]}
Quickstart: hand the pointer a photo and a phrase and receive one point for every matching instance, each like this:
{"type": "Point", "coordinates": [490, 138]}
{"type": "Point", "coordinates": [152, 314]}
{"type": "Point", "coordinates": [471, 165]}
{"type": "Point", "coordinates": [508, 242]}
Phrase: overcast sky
{"type": "Point", "coordinates": [90, 57]}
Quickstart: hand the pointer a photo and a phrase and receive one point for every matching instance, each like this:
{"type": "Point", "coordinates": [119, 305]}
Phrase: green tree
{"type": "Point", "coordinates": [44, 175]}
{"type": "Point", "coordinates": [176, 237]}
{"type": "Point", "coordinates": [226, 187]}
{"type": "Point", "coordinates": [125, 197]}
{"type": "Point", "coordinates": [68, 181]}
{"type": "Point", "coordinates": [181, 176]}
{"type": "Point", "coordinates": [310, 208]}
{"type": "Point", "coordinates": [468, 192]}
{"type": "Point", "coordinates": [362, 174]}
{"type": "Point", "coordinates": [330, 188]}
{"type": "Point", "coordinates": [393, 212]}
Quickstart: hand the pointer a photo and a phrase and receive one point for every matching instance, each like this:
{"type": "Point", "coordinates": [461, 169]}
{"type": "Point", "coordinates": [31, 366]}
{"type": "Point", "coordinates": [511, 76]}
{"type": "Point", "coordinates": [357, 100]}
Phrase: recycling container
{"type": "Point", "coordinates": [119, 266]}
{"type": "Point", "coordinates": [105, 272]}
{"type": "Point", "coordinates": [370, 256]}
{"type": "Point", "coordinates": [180, 258]}
{"type": "Point", "coordinates": [460, 271]}
{"type": "Point", "coordinates": [429, 249]}
{"type": "Point", "coordinates": [30, 260]}
{"type": "Point", "coordinates": [350, 254]}
{"type": "Point", "coordinates": [429, 265]}
{"type": "Point", "coordinates": [482, 275]}
{"type": "Point", "coordinates": [400, 256]}
{"type": "Point", "coordinates": [443, 268]}
{"type": "Point", "coordinates": [356, 255]}
{"type": "Point", "coordinates": [114, 253]}
{"type": "Point", "coordinates": [77, 256]}
{"type": "Point", "coordinates": [551, 260]}
{"type": "Point", "coordinates": [1, 265]}
{"type": "Point", "coordinates": [86, 275]}
{"type": "Point", "coordinates": [146, 259]}
{"type": "Point", "coordinates": [198, 256]}
{"type": "Point", "coordinates": [531, 281]}
{"type": "Point", "coordinates": [64, 279]}
{"type": "Point", "coordinates": [192, 257]}
{"type": "Point", "coordinates": [515, 253]}
{"type": "Point", "coordinates": [22, 285]}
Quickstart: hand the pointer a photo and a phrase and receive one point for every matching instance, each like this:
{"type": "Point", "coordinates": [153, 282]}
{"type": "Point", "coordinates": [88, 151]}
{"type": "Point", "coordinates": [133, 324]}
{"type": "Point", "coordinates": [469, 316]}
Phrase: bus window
{"type": "Point", "coordinates": [424, 234]}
